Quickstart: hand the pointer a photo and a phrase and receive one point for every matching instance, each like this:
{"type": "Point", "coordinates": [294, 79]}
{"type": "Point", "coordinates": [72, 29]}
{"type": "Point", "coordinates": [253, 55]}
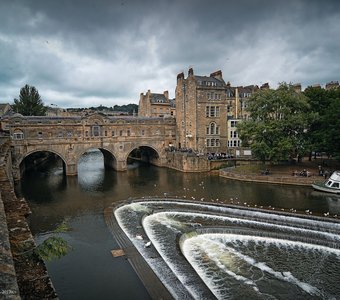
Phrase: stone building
{"type": "Point", "coordinates": [156, 105]}
{"type": "Point", "coordinates": [5, 112]}
{"type": "Point", "coordinates": [4, 108]}
{"type": "Point", "coordinates": [207, 111]}
{"type": "Point", "coordinates": [332, 85]}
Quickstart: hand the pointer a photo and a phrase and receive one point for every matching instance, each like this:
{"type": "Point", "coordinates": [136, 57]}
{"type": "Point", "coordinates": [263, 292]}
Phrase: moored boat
{"type": "Point", "coordinates": [331, 185]}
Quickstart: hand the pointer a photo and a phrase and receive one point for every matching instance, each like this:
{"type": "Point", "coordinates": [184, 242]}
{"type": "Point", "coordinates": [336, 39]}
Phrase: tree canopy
{"type": "Point", "coordinates": [29, 102]}
{"type": "Point", "coordinates": [324, 133]}
{"type": "Point", "coordinates": [278, 123]}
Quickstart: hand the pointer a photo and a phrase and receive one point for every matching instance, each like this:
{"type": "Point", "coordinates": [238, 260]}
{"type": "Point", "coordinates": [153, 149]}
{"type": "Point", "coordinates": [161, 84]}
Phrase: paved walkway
{"type": "Point", "coordinates": [281, 174]}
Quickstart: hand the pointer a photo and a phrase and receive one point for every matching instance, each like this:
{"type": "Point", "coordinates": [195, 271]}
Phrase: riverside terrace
{"type": "Point", "coordinates": [70, 137]}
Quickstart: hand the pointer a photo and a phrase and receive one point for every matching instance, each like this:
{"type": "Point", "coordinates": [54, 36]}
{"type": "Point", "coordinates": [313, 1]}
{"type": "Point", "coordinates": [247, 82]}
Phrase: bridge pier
{"type": "Point", "coordinates": [121, 165]}
{"type": "Point", "coordinates": [109, 160]}
{"type": "Point", "coordinates": [71, 169]}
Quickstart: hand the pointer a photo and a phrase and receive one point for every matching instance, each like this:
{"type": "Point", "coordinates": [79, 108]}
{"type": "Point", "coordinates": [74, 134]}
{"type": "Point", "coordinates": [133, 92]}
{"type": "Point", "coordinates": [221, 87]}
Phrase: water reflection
{"type": "Point", "coordinates": [91, 172]}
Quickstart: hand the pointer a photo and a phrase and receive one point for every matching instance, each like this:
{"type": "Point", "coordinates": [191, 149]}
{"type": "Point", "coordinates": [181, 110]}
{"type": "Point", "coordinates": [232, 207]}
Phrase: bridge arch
{"type": "Point", "coordinates": [110, 160]}
{"type": "Point", "coordinates": [146, 153]}
{"type": "Point", "coordinates": [24, 164]}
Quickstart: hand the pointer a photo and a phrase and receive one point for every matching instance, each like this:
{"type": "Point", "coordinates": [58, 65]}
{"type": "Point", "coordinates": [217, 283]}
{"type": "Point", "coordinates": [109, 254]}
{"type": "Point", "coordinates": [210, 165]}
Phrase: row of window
{"type": "Point", "coordinates": [212, 111]}
{"type": "Point", "coordinates": [245, 95]}
{"type": "Point", "coordinates": [213, 96]}
{"type": "Point", "coordinates": [213, 142]}
{"type": "Point", "coordinates": [233, 134]}
{"type": "Point", "coordinates": [95, 132]}
{"type": "Point", "coordinates": [233, 123]}
{"type": "Point", "coordinates": [161, 109]}
{"type": "Point", "coordinates": [235, 143]}
{"type": "Point", "coordinates": [208, 83]}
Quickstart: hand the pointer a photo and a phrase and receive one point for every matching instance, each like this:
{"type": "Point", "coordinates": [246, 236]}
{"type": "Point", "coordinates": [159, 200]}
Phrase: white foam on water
{"type": "Point", "coordinates": [169, 221]}
{"type": "Point", "coordinates": [211, 245]}
{"type": "Point", "coordinates": [252, 213]}
{"type": "Point", "coordinates": [149, 223]}
{"type": "Point", "coordinates": [238, 221]}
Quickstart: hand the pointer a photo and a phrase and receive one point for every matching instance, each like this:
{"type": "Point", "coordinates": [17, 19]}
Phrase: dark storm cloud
{"type": "Point", "coordinates": [84, 52]}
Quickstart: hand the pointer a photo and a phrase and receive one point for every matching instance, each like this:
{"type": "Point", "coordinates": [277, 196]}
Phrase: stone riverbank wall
{"type": "Point", "coordinates": [22, 273]}
{"type": "Point", "coordinates": [190, 162]}
{"type": "Point", "coordinates": [187, 162]}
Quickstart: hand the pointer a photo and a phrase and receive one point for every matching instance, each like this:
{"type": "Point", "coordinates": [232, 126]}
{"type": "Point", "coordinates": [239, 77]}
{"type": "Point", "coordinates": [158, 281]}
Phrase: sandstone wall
{"type": "Point", "coordinates": [185, 162]}
{"type": "Point", "coordinates": [22, 273]}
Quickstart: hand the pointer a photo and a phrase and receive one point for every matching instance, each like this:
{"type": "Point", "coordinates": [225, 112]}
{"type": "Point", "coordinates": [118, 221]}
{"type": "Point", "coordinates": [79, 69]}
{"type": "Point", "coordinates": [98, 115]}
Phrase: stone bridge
{"type": "Point", "coordinates": [70, 137]}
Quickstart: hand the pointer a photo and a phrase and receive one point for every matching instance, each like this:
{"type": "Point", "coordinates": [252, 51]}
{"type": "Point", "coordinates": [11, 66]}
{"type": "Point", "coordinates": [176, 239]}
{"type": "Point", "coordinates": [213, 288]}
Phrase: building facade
{"type": "Point", "coordinates": [156, 105]}
{"type": "Point", "coordinates": [207, 112]}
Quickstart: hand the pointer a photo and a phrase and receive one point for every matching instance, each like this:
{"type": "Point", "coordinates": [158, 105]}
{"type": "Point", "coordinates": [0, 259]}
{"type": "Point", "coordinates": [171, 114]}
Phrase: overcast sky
{"type": "Point", "coordinates": [81, 53]}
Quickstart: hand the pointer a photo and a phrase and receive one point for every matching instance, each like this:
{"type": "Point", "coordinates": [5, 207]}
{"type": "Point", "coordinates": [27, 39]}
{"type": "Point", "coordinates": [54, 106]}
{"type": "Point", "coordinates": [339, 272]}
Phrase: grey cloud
{"type": "Point", "coordinates": [105, 51]}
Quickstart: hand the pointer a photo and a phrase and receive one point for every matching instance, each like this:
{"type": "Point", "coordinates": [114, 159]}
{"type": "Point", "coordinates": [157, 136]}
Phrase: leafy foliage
{"type": "Point", "coordinates": [51, 248]}
{"type": "Point", "coordinates": [29, 102]}
{"type": "Point", "coordinates": [54, 247]}
{"type": "Point", "coordinates": [278, 123]}
{"type": "Point", "coordinates": [129, 108]}
{"type": "Point", "coordinates": [324, 131]}
{"type": "Point", "coordinates": [330, 130]}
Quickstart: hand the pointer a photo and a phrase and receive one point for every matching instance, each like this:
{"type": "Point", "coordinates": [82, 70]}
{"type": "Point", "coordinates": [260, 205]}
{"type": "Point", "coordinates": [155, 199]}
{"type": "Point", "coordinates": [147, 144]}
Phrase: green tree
{"type": "Point", "coordinates": [278, 124]}
{"type": "Point", "coordinates": [29, 102]}
{"type": "Point", "coordinates": [324, 131]}
{"type": "Point", "coordinates": [331, 129]}
{"type": "Point", "coordinates": [129, 108]}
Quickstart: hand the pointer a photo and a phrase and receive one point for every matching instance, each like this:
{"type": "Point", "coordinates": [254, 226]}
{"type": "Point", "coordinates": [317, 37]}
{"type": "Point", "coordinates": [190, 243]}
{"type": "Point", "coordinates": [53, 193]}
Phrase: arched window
{"type": "Point", "coordinates": [96, 130]}
{"type": "Point", "coordinates": [212, 128]}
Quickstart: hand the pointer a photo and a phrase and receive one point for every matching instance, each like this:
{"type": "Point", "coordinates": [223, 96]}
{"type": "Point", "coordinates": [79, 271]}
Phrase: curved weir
{"type": "Point", "coordinates": [205, 251]}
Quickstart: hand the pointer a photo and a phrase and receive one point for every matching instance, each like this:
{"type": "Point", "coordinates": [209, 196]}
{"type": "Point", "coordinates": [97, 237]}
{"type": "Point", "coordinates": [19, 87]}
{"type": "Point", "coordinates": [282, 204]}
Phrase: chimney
{"type": "Point", "coordinates": [166, 95]}
{"type": "Point", "coordinates": [180, 76]}
{"type": "Point", "coordinates": [191, 72]}
{"type": "Point", "coordinates": [265, 86]}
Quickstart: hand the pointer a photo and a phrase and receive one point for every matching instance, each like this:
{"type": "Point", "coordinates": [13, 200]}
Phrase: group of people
{"type": "Point", "coordinates": [209, 155]}
{"type": "Point", "coordinates": [323, 172]}
{"type": "Point", "coordinates": [303, 173]}
{"type": "Point", "coordinates": [212, 156]}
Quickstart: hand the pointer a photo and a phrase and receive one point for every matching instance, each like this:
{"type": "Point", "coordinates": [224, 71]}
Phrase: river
{"type": "Point", "coordinates": [89, 271]}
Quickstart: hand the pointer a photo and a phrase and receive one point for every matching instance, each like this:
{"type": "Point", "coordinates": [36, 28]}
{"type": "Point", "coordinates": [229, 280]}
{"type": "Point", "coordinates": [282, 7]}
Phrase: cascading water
{"type": "Point", "coordinates": [206, 251]}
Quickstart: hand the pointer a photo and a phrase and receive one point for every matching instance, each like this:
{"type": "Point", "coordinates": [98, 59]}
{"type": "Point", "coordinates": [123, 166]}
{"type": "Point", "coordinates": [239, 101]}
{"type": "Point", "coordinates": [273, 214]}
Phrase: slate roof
{"type": "Point", "coordinates": [158, 98]}
{"type": "Point", "coordinates": [203, 79]}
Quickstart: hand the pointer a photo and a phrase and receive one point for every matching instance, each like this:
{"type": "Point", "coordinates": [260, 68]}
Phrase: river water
{"type": "Point", "coordinates": [89, 271]}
